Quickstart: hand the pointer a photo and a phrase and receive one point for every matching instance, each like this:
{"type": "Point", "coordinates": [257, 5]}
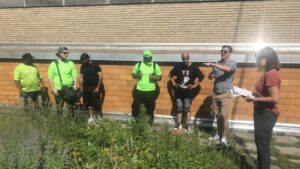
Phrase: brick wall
{"type": "Point", "coordinates": [119, 84]}
{"type": "Point", "coordinates": [219, 22]}
{"type": "Point", "coordinates": [229, 22]}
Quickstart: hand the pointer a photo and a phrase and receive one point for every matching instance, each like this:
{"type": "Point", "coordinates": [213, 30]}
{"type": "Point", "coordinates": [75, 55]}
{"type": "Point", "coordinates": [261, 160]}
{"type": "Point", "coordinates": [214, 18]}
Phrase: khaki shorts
{"type": "Point", "coordinates": [222, 104]}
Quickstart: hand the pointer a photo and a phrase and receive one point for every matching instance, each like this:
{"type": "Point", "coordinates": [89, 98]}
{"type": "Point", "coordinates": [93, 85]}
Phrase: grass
{"type": "Point", "coordinates": [43, 139]}
{"type": "Point", "coordinates": [34, 139]}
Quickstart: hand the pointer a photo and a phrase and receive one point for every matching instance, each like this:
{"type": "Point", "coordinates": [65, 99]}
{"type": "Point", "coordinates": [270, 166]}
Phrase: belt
{"type": "Point", "coordinates": [220, 93]}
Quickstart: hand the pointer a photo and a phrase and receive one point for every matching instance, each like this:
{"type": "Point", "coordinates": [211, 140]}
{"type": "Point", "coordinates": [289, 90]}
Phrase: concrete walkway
{"type": "Point", "coordinates": [285, 150]}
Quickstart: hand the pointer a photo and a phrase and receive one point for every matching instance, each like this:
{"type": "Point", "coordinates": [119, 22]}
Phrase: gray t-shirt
{"type": "Point", "coordinates": [223, 80]}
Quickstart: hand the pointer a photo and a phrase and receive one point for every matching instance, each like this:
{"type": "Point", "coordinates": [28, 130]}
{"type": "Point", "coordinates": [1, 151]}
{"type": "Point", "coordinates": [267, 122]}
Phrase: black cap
{"type": "Point", "coordinates": [26, 56]}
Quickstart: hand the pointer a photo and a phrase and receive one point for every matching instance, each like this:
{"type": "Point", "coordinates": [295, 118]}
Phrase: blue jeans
{"type": "Point", "coordinates": [31, 97]}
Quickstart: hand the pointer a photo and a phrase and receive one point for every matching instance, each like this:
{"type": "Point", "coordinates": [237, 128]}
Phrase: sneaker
{"type": "Point", "coordinates": [188, 130]}
{"type": "Point", "coordinates": [223, 142]}
{"type": "Point", "coordinates": [179, 127]}
{"type": "Point", "coordinates": [91, 120]}
{"type": "Point", "coordinates": [214, 138]}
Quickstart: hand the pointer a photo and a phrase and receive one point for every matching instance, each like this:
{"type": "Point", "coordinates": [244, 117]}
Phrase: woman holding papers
{"type": "Point", "coordinates": [266, 98]}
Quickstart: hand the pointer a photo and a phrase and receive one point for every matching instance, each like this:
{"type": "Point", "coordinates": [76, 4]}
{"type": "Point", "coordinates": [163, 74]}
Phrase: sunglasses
{"type": "Point", "coordinates": [65, 53]}
{"type": "Point", "coordinates": [224, 51]}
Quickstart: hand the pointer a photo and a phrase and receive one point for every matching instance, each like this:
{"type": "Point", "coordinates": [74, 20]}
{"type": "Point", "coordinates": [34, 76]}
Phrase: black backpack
{"type": "Point", "coordinates": [157, 88]}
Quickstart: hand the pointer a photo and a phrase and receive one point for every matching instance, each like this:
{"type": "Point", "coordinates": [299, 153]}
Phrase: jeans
{"type": "Point", "coordinates": [27, 98]}
{"type": "Point", "coordinates": [264, 122]}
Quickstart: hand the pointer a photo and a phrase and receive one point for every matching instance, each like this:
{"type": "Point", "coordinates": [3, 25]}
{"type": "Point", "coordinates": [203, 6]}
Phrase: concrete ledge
{"type": "Point", "coordinates": [280, 128]}
{"type": "Point", "coordinates": [163, 52]}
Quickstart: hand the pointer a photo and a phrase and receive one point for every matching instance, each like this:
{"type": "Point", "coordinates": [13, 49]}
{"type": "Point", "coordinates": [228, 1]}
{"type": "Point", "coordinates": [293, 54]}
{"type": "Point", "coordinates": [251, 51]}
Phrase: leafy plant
{"type": "Point", "coordinates": [44, 139]}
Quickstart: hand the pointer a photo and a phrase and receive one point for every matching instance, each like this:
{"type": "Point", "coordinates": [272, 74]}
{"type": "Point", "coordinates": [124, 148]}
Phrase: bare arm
{"type": "Point", "coordinates": [196, 83]}
{"type": "Point", "coordinates": [155, 77]}
{"type": "Point", "coordinates": [80, 81]}
{"type": "Point", "coordinates": [138, 75]}
{"type": "Point", "coordinates": [17, 82]}
{"type": "Point", "coordinates": [42, 84]}
{"type": "Point", "coordinates": [211, 75]}
{"type": "Point", "coordinates": [221, 67]}
{"type": "Point", "coordinates": [99, 82]}
{"type": "Point", "coordinates": [273, 98]}
{"type": "Point", "coordinates": [75, 83]}
{"type": "Point", "coordinates": [173, 78]}
{"type": "Point", "coordinates": [52, 86]}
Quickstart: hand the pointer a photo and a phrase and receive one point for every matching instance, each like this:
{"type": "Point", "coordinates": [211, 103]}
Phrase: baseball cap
{"type": "Point", "coordinates": [60, 49]}
{"type": "Point", "coordinates": [27, 56]}
{"type": "Point", "coordinates": [147, 53]}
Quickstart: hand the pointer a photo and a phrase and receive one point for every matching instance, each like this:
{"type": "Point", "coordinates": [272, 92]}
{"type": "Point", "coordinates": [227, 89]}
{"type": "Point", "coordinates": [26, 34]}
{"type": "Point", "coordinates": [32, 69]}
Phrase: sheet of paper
{"type": "Point", "coordinates": [236, 91]}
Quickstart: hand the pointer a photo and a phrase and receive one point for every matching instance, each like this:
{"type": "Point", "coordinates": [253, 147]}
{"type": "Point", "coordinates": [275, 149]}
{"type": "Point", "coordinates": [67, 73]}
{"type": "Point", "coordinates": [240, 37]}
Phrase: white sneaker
{"type": "Point", "coordinates": [223, 142]}
{"type": "Point", "coordinates": [188, 130]}
{"type": "Point", "coordinates": [91, 120]}
{"type": "Point", "coordinates": [214, 138]}
{"type": "Point", "coordinates": [179, 127]}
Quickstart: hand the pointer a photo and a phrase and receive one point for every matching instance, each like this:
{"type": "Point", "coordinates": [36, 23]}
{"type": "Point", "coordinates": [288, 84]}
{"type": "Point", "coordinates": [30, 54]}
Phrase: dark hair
{"type": "Point", "coordinates": [228, 47]}
{"type": "Point", "coordinates": [84, 56]}
{"type": "Point", "coordinates": [268, 53]}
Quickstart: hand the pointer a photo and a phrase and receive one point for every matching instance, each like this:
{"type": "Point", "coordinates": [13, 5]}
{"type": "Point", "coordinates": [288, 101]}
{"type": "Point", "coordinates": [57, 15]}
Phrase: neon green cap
{"type": "Point", "coordinates": [147, 53]}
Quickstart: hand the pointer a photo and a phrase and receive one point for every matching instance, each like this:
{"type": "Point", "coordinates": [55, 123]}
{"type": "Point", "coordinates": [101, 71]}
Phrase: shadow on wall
{"type": "Point", "coordinates": [102, 97]}
{"type": "Point", "coordinates": [205, 112]}
{"type": "Point", "coordinates": [170, 88]}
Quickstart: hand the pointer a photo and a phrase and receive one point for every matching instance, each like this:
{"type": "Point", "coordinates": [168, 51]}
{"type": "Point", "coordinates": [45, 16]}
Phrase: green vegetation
{"type": "Point", "coordinates": [43, 139]}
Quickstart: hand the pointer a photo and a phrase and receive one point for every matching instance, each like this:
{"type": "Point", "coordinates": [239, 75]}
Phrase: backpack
{"type": "Point", "coordinates": [157, 88]}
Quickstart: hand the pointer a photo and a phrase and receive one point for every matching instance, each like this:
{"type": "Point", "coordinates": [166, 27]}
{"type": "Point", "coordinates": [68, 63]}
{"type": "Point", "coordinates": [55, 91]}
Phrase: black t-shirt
{"type": "Point", "coordinates": [90, 74]}
{"type": "Point", "coordinates": [186, 75]}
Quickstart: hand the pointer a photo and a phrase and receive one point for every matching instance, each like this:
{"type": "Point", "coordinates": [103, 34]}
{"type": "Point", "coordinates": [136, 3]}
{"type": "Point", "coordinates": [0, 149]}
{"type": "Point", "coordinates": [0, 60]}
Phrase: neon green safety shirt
{"type": "Point", "coordinates": [67, 71]}
{"type": "Point", "coordinates": [144, 84]}
{"type": "Point", "coordinates": [29, 77]}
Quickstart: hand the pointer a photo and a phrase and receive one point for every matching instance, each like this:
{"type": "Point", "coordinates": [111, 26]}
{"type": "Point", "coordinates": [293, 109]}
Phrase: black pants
{"type": "Point", "coordinates": [91, 99]}
{"type": "Point", "coordinates": [264, 122]}
{"type": "Point", "coordinates": [148, 99]}
{"type": "Point", "coordinates": [59, 101]}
